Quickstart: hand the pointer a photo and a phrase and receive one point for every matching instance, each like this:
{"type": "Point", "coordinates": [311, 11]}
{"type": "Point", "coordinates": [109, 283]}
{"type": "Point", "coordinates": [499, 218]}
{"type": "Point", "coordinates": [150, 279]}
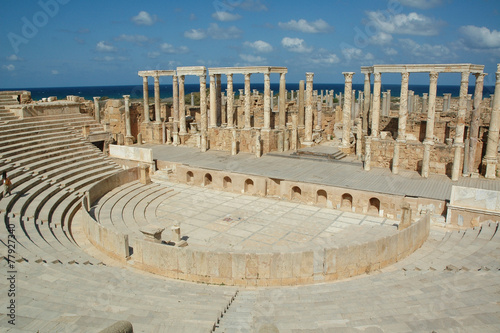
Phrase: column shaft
{"type": "Point", "coordinates": [128, 129]}
{"type": "Point", "coordinates": [145, 90]}
{"type": "Point", "coordinates": [218, 104]}
{"type": "Point", "coordinates": [267, 101]}
{"type": "Point", "coordinates": [301, 104]}
{"type": "Point", "coordinates": [474, 127]}
{"type": "Point", "coordinates": [282, 102]}
{"type": "Point", "coordinates": [157, 99]}
{"type": "Point", "coordinates": [309, 108]}
{"type": "Point", "coordinates": [175, 93]}
{"type": "Point", "coordinates": [203, 111]}
{"type": "Point", "coordinates": [403, 106]}
{"type": "Point", "coordinates": [346, 110]}
{"type": "Point", "coordinates": [230, 101]}
{"type": "Point", "coordinates": [366, 106]}
{"type": "Point", "coordinates": [97, 110]}
{"type": "Point", "coordinates": [376, 104]}
{"type": "Point", "coordinates": [492, 144]}
{"type": "Point", "coordinates": [460, 129]}
{"type": "Point", "coordinates": [247, 102]}
{"type": "Point", "coordinates": [182, 107]}
{"type": "Point", "coordinates": [429, 130]}
{"type": "Point", "coordinates": [213, 101]}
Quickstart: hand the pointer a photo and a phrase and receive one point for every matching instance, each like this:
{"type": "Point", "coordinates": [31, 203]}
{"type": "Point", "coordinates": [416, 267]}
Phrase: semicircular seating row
{"type": "Point", "coordinates": [50, 166]}
{"type": "Point", "coordinates": [129, 207]}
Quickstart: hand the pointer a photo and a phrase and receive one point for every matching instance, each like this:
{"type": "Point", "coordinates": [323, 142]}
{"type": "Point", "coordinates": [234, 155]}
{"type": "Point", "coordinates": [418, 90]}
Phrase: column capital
{"type": "Point", "coordinates": [433, 76]}
{"type": "Point", "coordinates": [125, 96]}
{"type": "Point", "coordinates": [145, 78]}
{"type": "Point", "coordinates": [348, 76]}
{"type": "Point", "coordinates": [229, 76]}
{"type": "Point", "coordinates": [309, 76]}
{"type": "Point", "coordinates": [247, 76]}
{"type": "Point", "coordinates": [97, 98]}
{"type": "Point", "coordinates": [480, 76]}
{"type": "Point", "coordinates": [367, 76]}
{"type": "Point", "coordinates": [405, 76]}
{"type": "Point", "coordinates": [377, 76]}
{"type": "Point", "coordinates": [156, 77]}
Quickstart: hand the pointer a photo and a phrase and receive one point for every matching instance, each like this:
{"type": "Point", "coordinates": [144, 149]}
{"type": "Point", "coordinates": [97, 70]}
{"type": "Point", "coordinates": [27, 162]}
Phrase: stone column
{"type": "Point", "coordinates": [192, 99]}
{"type": "Point", "coordinates": [346, 110]}
{"type": "Point", "coordinates": [368, 153]}
{"type": "Point", "coordinates": [213, 102]}
{"type": "Point", "coordinates": [491, 158]}
{"type": "Point", "coordinates": [309, 108]}
{"type": "Point", "coordinates": [319, 108]}
{"type": "Point", "coordinates": [301, 104]}
{"type": "Point", "coordinates": [425, 97]}
{"type": "Point", "coordinates": [146, 98]}
{"type": "Point", "coordinates": [267, 101]}
{"type": "Point", "coordinates": [175, 125]}
{"type": "Point", "coordinates": [97, 109]}
{"type": "Point", "coordinates": [429, 130]}
{"type": "Point", "coordinates": [203, 112]}
{"type": "Point", "coordinates": [282, 102]}
{"type": "Point", "coordinates": [230, 101]}
{"type": "Point", "coordinates": [128, 129]}
{"type": "Point", "coordinates": [247, 101]}
{"type": "Point", "coordinates": [460, 129]}
{"type": "Point", "coordinates": [384, 104]}
{"type": "Point", "coordinates": [403, 116]}
{"type": "Point", "coordinates": [218, 104]}
{"type": "Point", "coordinates": [366, 107]}
{"type": "Point", "coordinates": [474, 127]}
{"type": "Point", "coordinates": [182, 107]}
{"type": "Point", "coordinates": [376, 104]}
{"type": "Point", "coordinates": [157, 99]}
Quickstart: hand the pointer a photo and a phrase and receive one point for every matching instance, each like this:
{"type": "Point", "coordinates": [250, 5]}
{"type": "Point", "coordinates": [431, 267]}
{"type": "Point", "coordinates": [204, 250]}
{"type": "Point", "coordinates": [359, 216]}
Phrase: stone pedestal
{"type": "Point", "coordinates": [144, 177]}
{"type": "Point", "coordinates": [405, 216]}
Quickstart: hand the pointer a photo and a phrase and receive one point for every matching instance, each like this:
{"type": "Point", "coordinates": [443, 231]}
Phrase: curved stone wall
{"type": "Point", "coordinates": [351, 252]}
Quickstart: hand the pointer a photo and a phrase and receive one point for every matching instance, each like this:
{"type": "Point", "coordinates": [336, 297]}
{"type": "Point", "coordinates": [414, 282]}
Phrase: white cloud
{"type": "Point", "coordinates": [295, 45]}
{"type": "Point", "coordinates": [353, 53]}
{"type": "Point", "coordinates": [103, 46]}
{"type": "Point", "coordinates": [138, 39]}
{"type": "Point", "coordinates": [411, 24]}
{"type": "Point", "coordinates": [325, 59]}
{"type": "Point", "coordinates": [144, 18]}
{"type": "Point", "coordinates": [217, 32]}
{"type": "Point", "coordinates": [195, 34]}
{"type": "Point", "coordinates": [169, 48]}
{"type": "Point", "coordinates": [480, 37]}
{"type": "Point", "coordinates": [9, 67]}
{"type": "Point", "coordinates": [252, 58]}
{"type": "Point", "coordinates": [225, 16]}
{"type": "Point", "coordinates": [381, 38]}
{"type": "Point", "coordinates": [259, 46]}
{"type": "Point", "coordinates": [13, 57]}
{"type": "Point", "coordinates": [421, 4]}
{"type": "Point", "coordinates": [424, 51]}
{"type": "Point", "coordinates": [54, 72]}
{"type": "Point", "coordinates": [307, 27]}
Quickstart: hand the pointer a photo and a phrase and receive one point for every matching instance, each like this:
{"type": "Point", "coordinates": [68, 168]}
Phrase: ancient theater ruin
{"type": "Point", "coordinates": [231, 210]}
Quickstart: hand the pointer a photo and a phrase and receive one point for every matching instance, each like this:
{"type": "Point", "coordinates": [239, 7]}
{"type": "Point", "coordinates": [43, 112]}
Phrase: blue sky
{"type": "Point", "coordinates": [52, 43]}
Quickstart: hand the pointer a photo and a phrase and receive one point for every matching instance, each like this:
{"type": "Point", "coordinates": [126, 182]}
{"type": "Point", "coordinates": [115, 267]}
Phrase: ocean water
{"type": "Point", "coordinates": [135, 91]}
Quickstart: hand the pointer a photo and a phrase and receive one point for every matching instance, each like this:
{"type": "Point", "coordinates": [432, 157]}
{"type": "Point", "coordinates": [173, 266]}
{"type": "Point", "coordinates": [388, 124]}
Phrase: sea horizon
{"type": "Point", "coordinates": [135, 91]}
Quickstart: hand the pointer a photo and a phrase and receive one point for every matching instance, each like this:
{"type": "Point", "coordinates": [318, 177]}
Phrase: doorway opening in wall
{"type": "Point", "coordinates": [227, 183]}
{"type": "Point", "coordinates": [374, 206]}
{"type": "Point", "coordinates": [296, 193]}
{"type": "Point", "coordinates": [99, 145]}
{"type": "Point", "coordinates": [248, 186]}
